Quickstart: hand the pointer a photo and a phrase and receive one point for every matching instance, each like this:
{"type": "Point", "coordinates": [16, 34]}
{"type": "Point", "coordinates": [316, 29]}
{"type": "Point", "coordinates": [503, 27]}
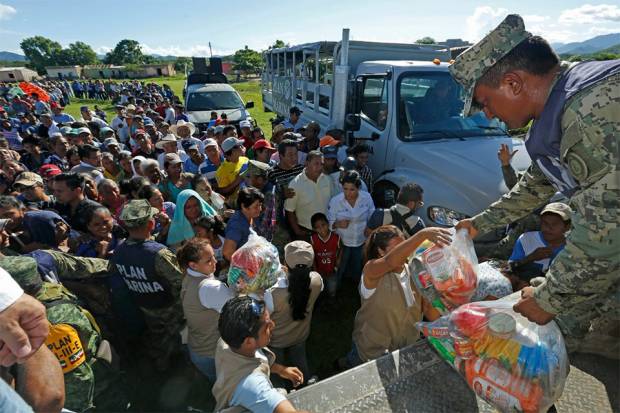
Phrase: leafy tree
{"type": "Point", "coordinates": [426, 40]}
{"type": "Point", "coordinates": [40, 52]}
{"type": "Point", "coordinates": [78, 53]}
{"type": "Point", "coordinates": [278, 44]}
{"type": "Point", "coordinates": [247, 61]}
{"type": "Point", "coordinates": [125, 52]}
{"type": "Point", "coordinates": [181, 62]}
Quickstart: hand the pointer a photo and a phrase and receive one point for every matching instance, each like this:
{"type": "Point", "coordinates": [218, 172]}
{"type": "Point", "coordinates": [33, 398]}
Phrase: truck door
{"type": "Point", "coordinates": [375, 119]}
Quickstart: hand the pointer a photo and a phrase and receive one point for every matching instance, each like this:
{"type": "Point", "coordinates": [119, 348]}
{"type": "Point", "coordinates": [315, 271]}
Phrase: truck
{"type": "Point", "coordinates": [207, 90]}
{"type": "Point", "coordinates": [401, 100]}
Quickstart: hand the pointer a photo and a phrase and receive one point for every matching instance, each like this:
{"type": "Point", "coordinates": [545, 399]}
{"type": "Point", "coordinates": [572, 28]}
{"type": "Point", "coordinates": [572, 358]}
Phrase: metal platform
{"type": "Point", "coordinates": [416, 379]}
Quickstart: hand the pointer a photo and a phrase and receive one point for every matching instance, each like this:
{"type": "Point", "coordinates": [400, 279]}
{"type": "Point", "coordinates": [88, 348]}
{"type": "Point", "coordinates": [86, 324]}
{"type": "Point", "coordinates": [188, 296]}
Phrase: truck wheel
{"type": "Point", "coordinates": [384, 194]}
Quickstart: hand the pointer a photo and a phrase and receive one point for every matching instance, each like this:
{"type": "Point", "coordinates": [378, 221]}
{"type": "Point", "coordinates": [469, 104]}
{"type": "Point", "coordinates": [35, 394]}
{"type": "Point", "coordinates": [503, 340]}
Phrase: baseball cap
{"type": "Point", "coordinates": [172, 158]}
{"type": "Point", "coordinates": [262, 143]}
{"type": "Point", "coordinates": [328, 140]}
{"type": "Point", "coordinates": [49, 170]}
{"type": "Point", "coordinates": [298, 253]}
{"type": "Point", "coordinates": [104, 131]}
{"type": "Point", "coordinates": [219, 129]}
{"type": "Point", "coordinates": [65, 130]}
{"type": "Point", "coordinates": [330, 152]}
{"type": "Point", "coordinates": [84, 109]}
{"type": "Point", "coordinates": [245, 124]}
{"type": "Point", "coordinates": [257, 168]}
{"type": "Point", "coordinates": [558, 208]}
{"type": "Point", "coordinates": [28, 179]}
{"type": "Point", "coordinates": [110, 142]}
{"type": "Point", "coordinates": [168, 138]}
{"type": "Point", "coordinates": [210, 142]}
{"type": "Point", "coordinates": [278, 129]}
{"type": "Point", "coordinates": [83, 130]}
{"type": "Point", "coordinates": [230, 143]}
{"type": "Point", "coordinates": [55, 135]}
{"type": "Point", "coordinates": [137, 212]}
{"type": "Point", "coordinates": [297, 137]}
{"type": "Point", "coordinates": [473, 63]}
{"type": "Point", "coordinates": [130, 107]}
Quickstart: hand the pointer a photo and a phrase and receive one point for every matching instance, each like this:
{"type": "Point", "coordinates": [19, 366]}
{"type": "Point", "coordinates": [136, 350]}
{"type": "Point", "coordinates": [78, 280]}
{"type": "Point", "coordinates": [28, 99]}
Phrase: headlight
{"type": "Point", "coordinates": [445, 216]}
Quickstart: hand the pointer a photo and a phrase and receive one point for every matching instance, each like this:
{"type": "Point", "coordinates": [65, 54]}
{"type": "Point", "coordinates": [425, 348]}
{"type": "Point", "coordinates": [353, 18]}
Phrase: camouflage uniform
{"type": "Point", "coordinates": [86, 359]}
{"type": "Point", "coordinates": [164, 320]}
{"type": "Point", "coordinates": [583, 281]}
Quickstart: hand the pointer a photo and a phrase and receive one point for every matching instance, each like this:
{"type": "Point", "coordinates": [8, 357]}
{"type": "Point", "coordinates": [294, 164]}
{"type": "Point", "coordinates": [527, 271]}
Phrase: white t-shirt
{"type": "Point", "coordinates": [213, 294]}
{"type": "Point", "coordinates": [404, 280]}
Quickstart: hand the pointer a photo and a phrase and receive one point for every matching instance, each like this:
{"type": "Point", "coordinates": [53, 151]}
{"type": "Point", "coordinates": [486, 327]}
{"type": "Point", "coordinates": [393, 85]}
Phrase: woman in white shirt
{"type": "Point", "coordinates": [203, 297]}
{"type": "Point", "coordinates": [348, 215]}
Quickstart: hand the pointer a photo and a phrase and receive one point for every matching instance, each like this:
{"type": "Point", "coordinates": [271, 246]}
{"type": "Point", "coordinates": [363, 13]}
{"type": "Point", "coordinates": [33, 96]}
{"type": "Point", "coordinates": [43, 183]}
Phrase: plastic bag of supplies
{"type": "Point", "coordinates": [446, 276]}
{"type": "Point", "coordinates": [255, 266]}
{"type": "Point", "coordinates": [512, 363]}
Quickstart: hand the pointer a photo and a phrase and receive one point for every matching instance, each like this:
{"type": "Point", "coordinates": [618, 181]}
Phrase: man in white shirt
{"type": "Point", "coordinates": [87, 116]}
{"type": "Point", "coordinates": [185, 130]}
{"type": "Point", "coordinates": [119, 119]}
{"type": "Point", "coordinates": [170, 115]}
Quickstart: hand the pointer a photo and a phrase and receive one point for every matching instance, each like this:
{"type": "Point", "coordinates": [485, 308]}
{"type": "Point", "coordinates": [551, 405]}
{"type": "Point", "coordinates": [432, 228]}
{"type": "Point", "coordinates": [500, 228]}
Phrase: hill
{"type": "Point", "coordinates": [12, 57]}
{"type": "Point", "coordinates": [589, 46]}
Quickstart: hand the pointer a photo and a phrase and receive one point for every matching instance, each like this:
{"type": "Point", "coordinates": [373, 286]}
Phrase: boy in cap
{"type": "Point", "coordinates": [293, 122]}
{"type": "Point", "coordinates": [213, 160]}
{"type": "Point", "coordinates": [534, 251]}
{"type": "Point", "coordinates": [256, 176]}
{"type": "Point", "coordinates": [151, 272]}
{"type": "Point", "coordinates": [573, 143]}
{"type": "Point", "coordinates": [229, 174]}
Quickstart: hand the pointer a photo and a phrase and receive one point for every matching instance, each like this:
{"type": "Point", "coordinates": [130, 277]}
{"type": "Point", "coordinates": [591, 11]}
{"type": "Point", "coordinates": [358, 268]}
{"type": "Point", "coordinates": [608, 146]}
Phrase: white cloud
{"type": "Point", "coordinates": [194, 50]}
{"type": "Point", "coordinates": [534, 18]}
{"type": "Point", "coordinates": [484, 19]}
{"type": "Point", "coordinates": [589, 13]}
{"type": "Point", "coordinates": [6, 12]}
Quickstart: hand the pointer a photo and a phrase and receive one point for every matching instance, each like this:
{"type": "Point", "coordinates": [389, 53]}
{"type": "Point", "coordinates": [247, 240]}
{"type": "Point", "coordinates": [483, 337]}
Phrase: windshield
{"type": "Point", "coordinates": [204, 101]}
{"type": "Point", "coordinates": [431, 108]}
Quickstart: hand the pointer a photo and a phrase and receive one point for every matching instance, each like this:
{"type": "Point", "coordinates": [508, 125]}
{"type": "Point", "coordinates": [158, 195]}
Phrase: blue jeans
{"type": "Point", "coordinates": [353, 357]}
{"type": "Point", "coordinates": [351, 263]}
{"type": "Point", "coordinates": [10, 401]}
{"type": "Point", "coordinates": [205, 364]}
{"type": "Point", "coordinates": [293, 356]}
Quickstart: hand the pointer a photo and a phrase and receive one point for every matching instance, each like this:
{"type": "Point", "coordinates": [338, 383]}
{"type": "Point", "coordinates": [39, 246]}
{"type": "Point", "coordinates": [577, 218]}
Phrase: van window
{"type": "Point", "coordinates": [430, 107]}
{"type": "Point", "coordinates": [375, 101]}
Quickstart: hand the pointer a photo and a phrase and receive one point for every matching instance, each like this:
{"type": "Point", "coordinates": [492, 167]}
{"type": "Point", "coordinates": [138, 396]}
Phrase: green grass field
{"type": "Point", "coordinates": [249, 91]}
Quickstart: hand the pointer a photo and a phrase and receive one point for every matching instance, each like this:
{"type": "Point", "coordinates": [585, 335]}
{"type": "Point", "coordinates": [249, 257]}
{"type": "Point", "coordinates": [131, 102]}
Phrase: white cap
{"type": "Point", "coordinates": [245, 124]}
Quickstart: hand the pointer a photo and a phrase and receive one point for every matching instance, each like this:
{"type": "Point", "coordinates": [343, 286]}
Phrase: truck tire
{"type": "Point", "coordinates": [384, 194]}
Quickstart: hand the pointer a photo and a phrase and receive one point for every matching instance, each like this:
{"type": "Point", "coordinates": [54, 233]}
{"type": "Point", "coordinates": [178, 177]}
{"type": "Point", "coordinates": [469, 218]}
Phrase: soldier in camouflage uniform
{"type": "Point", "coordinates": [152, 274]}
{"type": "Point", "coordinates": [86, 359]}
{"type": "Point", "coordinates": [573, 143]}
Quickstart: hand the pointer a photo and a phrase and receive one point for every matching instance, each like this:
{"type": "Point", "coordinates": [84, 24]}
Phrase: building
{"type": "Point", "coordinates": [17, 74]}
{"type": "Point", "coordinates": [104, 72]}
{"type": "Point", "coordinates": [64, 72]}
{"type": "Point", "coordinates": [455, 43]}
{"type": "Point", "coordinates": [154, 70]}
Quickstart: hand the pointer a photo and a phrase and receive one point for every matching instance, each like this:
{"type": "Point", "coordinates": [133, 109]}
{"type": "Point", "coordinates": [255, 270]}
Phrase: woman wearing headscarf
{"type": "Point", "coordinates": [190, 207]}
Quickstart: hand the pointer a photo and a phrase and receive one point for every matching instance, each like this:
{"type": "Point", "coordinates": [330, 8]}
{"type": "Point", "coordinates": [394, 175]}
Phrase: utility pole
{"type": "Point", "coordinates": [210, 50]}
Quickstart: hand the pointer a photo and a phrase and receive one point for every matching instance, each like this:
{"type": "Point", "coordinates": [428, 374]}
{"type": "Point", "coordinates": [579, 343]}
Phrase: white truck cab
{"type": "Point", "coordinates": [401, 100]}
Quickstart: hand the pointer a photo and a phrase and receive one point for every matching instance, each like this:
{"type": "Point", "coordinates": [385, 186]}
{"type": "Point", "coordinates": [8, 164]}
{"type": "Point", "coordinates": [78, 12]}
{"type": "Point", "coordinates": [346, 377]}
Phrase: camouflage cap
{"type": "Point", "coordinates": [137, 213]}
{"type": "Point", "coordinates": [257, 168]}
{"type": "Point", "coordinates": [24, 271]}
{"type": "Point", "coordinates": [470, 65]}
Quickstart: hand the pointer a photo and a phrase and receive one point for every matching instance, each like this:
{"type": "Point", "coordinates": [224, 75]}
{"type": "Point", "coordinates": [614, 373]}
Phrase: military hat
{"type": "Point", "coordinates": [24, 271]}
{"type": "Point", "coordinates": [137, 212]}
{"type": "Point", "coordinates": [473, 63]}
{"type": "Point", "coordinates": [257, 168]}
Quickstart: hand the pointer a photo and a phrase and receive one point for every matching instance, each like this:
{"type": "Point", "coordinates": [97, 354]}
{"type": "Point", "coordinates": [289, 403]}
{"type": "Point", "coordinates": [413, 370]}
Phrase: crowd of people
{"type": "Point", "coordinates": [124, 229]}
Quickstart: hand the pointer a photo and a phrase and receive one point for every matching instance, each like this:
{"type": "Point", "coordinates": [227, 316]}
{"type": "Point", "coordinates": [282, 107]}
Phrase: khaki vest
{"type": "Point", "coordinates": [384, 322]}
{"type": "Point", "coordinates": [289, 332]}
{"type": "Point", "coordinates": [201, 322]}
{"type": "Point", "coordinates": [231, 368]}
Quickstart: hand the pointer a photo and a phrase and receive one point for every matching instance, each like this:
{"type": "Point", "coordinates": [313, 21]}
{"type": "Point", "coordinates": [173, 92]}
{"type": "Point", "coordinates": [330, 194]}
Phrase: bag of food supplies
{"type": "Point", "coordinates": [446, 276]}
{"type": "Point", "coordinates": [255, 266]}
{"type": "Point", "coordinates": [510, 362]}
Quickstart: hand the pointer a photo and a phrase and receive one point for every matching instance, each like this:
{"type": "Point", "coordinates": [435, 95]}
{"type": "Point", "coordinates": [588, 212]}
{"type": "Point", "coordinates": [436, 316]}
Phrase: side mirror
{"type": "Point", "coordinates": [249, 104]}
{"type": "Point", "coordinates": [353, 122]}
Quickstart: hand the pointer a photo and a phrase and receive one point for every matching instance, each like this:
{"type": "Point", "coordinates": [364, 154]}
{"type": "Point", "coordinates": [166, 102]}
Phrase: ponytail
{"type": "Point", "coordinates": [299, 290]}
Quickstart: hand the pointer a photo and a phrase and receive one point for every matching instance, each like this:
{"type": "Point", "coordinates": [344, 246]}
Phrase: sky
{"type": "Point", "coordinates": [185, 28]}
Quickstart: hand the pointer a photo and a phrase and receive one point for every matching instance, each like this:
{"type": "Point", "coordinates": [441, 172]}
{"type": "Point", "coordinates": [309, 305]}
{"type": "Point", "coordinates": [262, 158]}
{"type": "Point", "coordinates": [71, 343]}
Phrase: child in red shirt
{"type": "Point", "coordinates": [326, 246]}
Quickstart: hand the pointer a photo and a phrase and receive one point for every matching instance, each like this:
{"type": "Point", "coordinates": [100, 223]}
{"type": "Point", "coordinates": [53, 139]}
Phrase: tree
{"type": "Point", "coordinates": [247, 61]}
{"type": "Point", "coordinates": [40, 52]}
{"type": "Point", "coordinates": [181, 62]}
{"type": "Point", "coordinates": [125, 52]}
{"type": "Point", "coordinates": [278, 44]}
{"type": "Point", "coordinates": [78, 53]}
{"type": "Point", "coordinates": [426, 40]}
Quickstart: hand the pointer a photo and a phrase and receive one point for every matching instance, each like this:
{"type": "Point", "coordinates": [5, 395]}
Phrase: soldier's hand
{"type": "Point", "coordinates": [529, 308]}
{"type": "Point", "coordinates": [23, 328]}
{"type": "Point", "coordinates": [504, 154]}
{"type": "Point", "coordinates": [541, 253]}
{"type": "Point", "coordinates": [469, 226]}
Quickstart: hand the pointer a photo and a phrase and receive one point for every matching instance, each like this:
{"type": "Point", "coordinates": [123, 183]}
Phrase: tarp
{"type": "Point", "coordinates": [30, 88]}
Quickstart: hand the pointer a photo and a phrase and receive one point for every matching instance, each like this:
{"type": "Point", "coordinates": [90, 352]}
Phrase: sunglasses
{"type": "Point", "coordinates": [258, 308]}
